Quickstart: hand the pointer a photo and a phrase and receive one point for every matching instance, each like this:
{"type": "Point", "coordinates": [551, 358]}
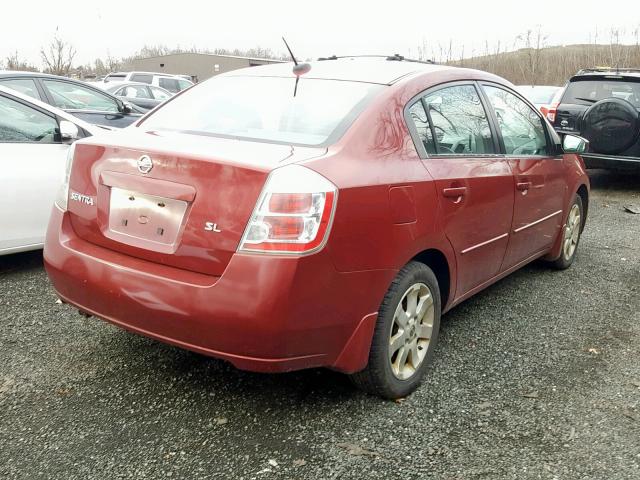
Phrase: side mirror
{"type": "Point", "coordinates": [574, 144]}
{"type": "Point", "coordinates": [127, 107]}
{"type": "Point", "coordinates": [68, 131]}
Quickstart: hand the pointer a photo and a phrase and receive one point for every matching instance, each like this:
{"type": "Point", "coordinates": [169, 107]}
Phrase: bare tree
{"type": "Point", "coordinates": [13, 62]}
{"type": "Point", "coordinates": [57, 59]}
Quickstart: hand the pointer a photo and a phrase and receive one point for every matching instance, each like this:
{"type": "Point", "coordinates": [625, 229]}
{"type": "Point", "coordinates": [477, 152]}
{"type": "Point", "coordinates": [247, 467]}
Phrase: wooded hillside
{"type": "Point", "coordinates": [552, 65]}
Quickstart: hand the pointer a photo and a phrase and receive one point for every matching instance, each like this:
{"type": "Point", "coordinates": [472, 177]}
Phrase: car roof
{"type": "Point", "coordinates": [138, 72]}
{"type": "Point", "coordinates": [93, 129]}
{"type": "Point", "coordinates": [379, 70]}
{"type": "Point", "coordinates": [15, 73]}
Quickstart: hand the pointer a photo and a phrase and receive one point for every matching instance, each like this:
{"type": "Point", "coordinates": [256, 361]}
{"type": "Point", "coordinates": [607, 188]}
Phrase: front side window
{"type": "Point", "coordinates": [182, 84]}
{"type": "Point", "coordinates": [26, 86]}
{"type": "Point", "coordinates": [170, 84]}
{"type": "Point", "coordinates": [265, 108]}
{"type": "Point", "coordinates": [459, 122]}
{"type": "Point", "coordinates": [135, 91]}
{"type": "Point", "coordinates": [20, 123]}
{"type": "Point", "coordinates": [521, 127]}
{"type": "Point", "coordinates": [159, 93]}
{"type": "Point", "coordinates": [70, 96]}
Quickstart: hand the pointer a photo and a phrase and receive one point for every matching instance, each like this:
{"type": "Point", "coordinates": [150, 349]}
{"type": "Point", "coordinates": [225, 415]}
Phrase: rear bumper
{"type": "Point", "coordinates": [611, 161]}
{"type": "Point", "coordinates": [265, 313]}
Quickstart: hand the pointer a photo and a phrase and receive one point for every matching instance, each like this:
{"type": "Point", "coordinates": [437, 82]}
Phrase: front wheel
{"type": "Point", "coordinates": [405, 334]}
{"type": "Point", "coordinates": [571, 235]}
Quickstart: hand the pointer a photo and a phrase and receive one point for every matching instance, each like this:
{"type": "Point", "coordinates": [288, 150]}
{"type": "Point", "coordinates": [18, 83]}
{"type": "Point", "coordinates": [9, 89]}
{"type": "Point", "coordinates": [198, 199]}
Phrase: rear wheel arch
{"type": "Point", "coordinates": [437, 262]}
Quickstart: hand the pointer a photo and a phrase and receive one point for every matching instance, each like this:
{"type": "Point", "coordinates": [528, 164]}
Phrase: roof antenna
{"type": "Point", "coordinates": [298, 68]}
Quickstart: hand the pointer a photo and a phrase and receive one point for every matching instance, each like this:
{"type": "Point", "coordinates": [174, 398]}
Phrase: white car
{"type": "Point", "coordinates": [34, 141]}
{"type": "Point", "coordinates": [171, 83]}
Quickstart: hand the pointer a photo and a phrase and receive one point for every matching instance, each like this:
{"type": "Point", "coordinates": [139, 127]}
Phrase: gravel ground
{"type": "Point", "coordinates": [537, 377]}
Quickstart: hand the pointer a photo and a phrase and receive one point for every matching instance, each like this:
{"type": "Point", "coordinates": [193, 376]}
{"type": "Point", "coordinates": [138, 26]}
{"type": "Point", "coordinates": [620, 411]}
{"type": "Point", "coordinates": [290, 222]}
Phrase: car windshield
{"type": "Point", "coordinates": [540, 95]}
{"type": "Point", "coordinates": [588, 92]}
{"type": "Point", "coordinates": [265, 108]}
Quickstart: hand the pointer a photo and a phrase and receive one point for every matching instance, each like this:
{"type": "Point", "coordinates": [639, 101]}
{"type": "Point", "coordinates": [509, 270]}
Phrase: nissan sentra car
{"type": "Point", "coordinates": [319, 215]}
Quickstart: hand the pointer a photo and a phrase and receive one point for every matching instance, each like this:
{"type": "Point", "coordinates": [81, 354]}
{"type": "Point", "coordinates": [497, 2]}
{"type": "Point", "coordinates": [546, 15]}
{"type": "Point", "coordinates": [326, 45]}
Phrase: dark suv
{"type": "Point", "coordinates": [603, 106]}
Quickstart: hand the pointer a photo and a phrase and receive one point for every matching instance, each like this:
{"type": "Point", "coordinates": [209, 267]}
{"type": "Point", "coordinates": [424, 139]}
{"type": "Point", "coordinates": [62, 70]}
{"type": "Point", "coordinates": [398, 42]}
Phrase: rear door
{"type": "Point", "coordinates": [539, 174]}
{"type": "Point", "coordinates": [32, 163]}
{"type": "Point", "coordinates": [474, 181]}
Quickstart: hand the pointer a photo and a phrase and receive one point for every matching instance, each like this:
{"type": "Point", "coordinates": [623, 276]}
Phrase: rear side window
{"type": "Point", "coordinates": [423, 128]}
{"type": "Point", "coordinates": [170, 84]}
{"type": "Point", "coordinates": [521, 127]}
{"type": "Point", "coordinates": [26, 86]}
{"type": "Point", "coordinates": [22, 124]}
{"type": "Point", "coordinates": [70, 96]}
{"type": "Point", "coordinates": [142, 78]}
{"type": "Point", "coordinates": [588, 92]}
{"type": "Point", "coordinates": [458, 122]}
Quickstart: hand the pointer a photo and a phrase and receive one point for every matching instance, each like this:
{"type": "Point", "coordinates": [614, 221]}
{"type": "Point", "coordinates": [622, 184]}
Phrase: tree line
{"type": "Point", "coordinates": [528, 60]}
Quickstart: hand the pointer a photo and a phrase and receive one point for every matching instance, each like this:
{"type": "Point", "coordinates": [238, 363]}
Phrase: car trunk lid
{"type": "Point", "coordinates": [189, 210]}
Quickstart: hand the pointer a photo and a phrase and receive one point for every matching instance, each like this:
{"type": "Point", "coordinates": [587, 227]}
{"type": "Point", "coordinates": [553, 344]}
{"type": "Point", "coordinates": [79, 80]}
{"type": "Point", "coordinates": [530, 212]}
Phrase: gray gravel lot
{"type": "Point", "coordinates": [537, 377]}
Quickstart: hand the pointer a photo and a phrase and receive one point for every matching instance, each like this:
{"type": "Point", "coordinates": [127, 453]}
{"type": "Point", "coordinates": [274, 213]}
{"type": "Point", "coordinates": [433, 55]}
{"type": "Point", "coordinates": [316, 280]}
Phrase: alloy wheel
{"type": "Point", "coordinates": [411, 331]}
{"type": "Point", "coordinates": [571, 232]}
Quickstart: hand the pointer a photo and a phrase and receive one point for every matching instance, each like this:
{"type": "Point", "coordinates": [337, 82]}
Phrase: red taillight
{"type": "Point", "coordinates": [551, 112]}
{"type": "Point", "coordinates": [290, 202]}
{"type": "Point", "coordinates": [293, 213]}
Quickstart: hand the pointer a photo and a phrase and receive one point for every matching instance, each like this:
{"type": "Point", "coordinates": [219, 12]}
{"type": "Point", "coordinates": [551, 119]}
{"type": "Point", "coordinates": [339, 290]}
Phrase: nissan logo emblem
{"type": "Point", "coordinates": [145, 164]}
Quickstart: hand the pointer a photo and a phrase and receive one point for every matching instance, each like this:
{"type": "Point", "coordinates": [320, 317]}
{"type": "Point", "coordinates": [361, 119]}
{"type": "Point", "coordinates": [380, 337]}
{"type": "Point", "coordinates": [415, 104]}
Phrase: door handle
{"type": "Point", "coordinates": [523, 186]}
{"type": "Point", "coordinates": [454, 192]}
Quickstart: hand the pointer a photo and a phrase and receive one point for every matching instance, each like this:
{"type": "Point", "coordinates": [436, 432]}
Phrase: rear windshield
{"type": "Point", "coordinates": [588, 92]}
{"type": "Point", "coordinates": [265, 108]}
{"type": "Point", "coordinates": [115, 76]}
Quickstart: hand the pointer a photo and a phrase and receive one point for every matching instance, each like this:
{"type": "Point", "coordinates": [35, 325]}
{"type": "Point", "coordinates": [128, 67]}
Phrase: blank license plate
{"type": "Point", "coordinates": [146, 217]}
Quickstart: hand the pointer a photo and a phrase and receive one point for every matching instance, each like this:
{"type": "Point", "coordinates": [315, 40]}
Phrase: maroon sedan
{"type": "Point", "coordinates": [322, 218]}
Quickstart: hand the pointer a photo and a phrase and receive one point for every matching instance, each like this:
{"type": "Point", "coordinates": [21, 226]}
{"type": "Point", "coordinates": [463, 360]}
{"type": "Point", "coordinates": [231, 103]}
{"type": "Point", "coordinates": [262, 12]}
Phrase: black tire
{"type": "Point", "coordinates": [564, 261]}
{"type": "Point", "coordinates": [378, 378]}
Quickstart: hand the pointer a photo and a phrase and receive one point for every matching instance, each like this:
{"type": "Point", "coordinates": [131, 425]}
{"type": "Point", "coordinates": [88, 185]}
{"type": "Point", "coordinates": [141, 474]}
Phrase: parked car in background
{"type": "Point", "coordinates": [603, 106]}
{"type": "Point", "coordinates": [80, 99]}
{"type": "Point", "coordinates": [172, 83]}
{"type": "Point", "coordinates": [141, 95]}
{"type": "Point", "coordinates": [34, 141]}
{"type": "Point", "coordinates": [327, 214]}
{"type": "Point", "coordinates": [542, 96]}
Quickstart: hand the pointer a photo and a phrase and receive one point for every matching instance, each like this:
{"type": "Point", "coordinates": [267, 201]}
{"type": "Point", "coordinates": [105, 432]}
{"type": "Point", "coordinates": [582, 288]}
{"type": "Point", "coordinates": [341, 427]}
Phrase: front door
{"type": "Point", "coordinates": [539, 175]}
{"type": "Point", "coordinates": [474, 183]}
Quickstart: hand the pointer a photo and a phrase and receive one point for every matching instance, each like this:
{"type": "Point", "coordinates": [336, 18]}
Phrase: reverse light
{"type": "Point", "coordinates": [62, 196]}
{"type": "Point", "coordinates": [293, 213]}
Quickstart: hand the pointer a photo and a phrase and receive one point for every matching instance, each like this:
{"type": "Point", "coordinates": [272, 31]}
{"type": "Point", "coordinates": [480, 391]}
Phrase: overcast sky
{"type": "Point", "coordinates": [313, 28]}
